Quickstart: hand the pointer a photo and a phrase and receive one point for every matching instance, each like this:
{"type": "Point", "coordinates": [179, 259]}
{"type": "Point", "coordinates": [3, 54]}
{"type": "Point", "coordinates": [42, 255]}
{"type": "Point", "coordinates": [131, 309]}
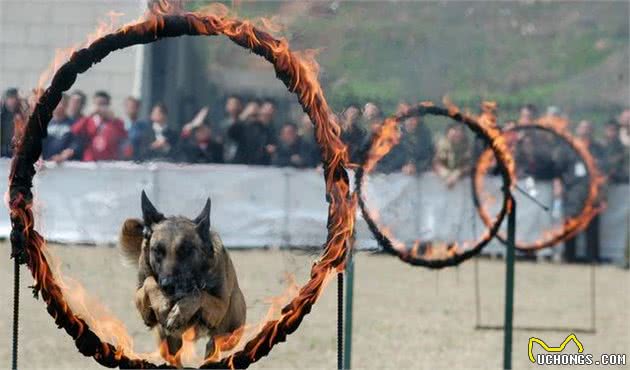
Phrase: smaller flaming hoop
{"type": "Point", "coordinates": [571, 225]}
{"type": "Point", "coordinates": [429, 253]}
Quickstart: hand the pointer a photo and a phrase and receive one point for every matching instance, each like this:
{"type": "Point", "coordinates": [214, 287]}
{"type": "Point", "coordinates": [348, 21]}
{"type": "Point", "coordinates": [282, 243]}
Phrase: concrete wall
{"type": "Point", "coordinates": [31, 31]}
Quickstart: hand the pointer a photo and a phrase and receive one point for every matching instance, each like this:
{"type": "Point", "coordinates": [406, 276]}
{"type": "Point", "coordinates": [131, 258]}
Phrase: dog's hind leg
{"type": "Point", "coordinates": [212, 352]}
{"type": "Point", "coordinates": [174, 344]}
{"type": "Point", "coordinates": [222, 341]}
{"type": "Point", "coordinates": [169, 348]}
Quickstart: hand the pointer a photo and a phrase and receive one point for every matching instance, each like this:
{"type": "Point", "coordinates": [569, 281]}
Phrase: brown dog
{"type": "Point", "coordinates": [185, 276]}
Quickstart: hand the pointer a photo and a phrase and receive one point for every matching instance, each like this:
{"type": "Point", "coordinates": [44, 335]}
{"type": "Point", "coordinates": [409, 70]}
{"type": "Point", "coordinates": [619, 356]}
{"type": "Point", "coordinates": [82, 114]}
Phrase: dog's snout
{"type": "Point", "coordinates": [167, 284]}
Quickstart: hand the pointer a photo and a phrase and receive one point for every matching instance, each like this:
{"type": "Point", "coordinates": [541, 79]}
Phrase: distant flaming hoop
{"type": "Point", "coordinates": [429, 253]}
{"type": "Point", "coordinates": [571, 225]}
{"type": "Point", "coordinates": [299, 77]}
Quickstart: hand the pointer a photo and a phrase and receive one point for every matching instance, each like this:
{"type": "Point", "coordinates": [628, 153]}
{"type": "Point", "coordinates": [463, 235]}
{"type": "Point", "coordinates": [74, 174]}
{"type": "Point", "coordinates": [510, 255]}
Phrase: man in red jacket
{"type": "Point", "coordinates": [99, 136]}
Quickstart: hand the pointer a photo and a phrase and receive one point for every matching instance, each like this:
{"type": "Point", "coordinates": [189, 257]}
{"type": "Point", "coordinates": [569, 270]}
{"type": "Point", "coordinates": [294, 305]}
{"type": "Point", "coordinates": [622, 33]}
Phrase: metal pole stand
{"type": "Point", "coordinates": [507, 327]}
{"type": "Point", "coordinates": [347, 346]}
{"type": "Point", "coordinates": [18, 253]}
{"type": "Point", "coordinates": [340, 321]}
{"type": "Point", "coordinates": [16, 310]}
{"type": "Point", "coordinates": [509, 288]}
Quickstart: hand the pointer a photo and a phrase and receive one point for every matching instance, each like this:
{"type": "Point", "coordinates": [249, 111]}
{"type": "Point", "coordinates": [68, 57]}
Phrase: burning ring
{"type": "Point", "coordinates": [572, 224]}
{"type": "Point", "coordinates": [430, 254]}
{"type": "Point", "coordinates": [299, 77]}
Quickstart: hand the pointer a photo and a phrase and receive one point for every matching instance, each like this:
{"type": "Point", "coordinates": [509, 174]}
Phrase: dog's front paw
{"type": "Point", "coordinates": [159, 303]}
{"type": "Point", "coordinates": [176, 321]}
{"type": "Point", "coordinates": [148, 316]}
{"type": "Point", "coordinates": [162, 310]}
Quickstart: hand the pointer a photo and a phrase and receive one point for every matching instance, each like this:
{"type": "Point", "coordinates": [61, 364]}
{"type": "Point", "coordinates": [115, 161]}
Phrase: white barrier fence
{"type": "Point", "coordinates": [266, 206]}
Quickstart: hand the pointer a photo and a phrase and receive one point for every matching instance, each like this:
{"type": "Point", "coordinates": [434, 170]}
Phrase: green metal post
{"type": "Point", "coordinates": [509, 288]}
{"type": "Point", "coordinates": [347, 346]}
{"type": "Point", "coordinates": [340, 320]}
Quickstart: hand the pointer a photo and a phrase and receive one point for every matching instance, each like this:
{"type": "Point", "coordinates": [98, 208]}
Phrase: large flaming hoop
{"type": "Point", "coordinates": [428, 253]}
{"type": "Point", "coordinates": [571, 225]}
{"type": "Point", "coordinates": [300, 78]}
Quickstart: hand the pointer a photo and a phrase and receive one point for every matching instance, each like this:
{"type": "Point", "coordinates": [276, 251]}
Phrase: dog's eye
{"type": "Point", "coordinates": [159, 250]}
{"type": "Point", "coordinates": [184, 249]}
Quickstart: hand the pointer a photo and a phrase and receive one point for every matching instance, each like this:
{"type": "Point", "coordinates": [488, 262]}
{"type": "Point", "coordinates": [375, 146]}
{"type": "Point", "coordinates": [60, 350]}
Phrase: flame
{"type": "Point", "coordinates": [488, 115]}
{"type": "Point", "coordinates": [185, 354]}
{"type": "Point", "coordinates": [558, 123]}
{"type": "Point", "coordinates": [452, 108]}
{"type": "Point", "coordinates": [62, 55]}
{"type": "Point", "coordinates": [236, 339]}
{"type": "Point", "coordinates": [299, 72]}
{"type": "Point", "coordinates": [384, 140]}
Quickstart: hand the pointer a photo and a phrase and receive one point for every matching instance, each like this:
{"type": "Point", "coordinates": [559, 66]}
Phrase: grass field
{"type": "Point", "coordinates": [404, 317]}
{"type": "Point", "coordinates": [566, 53]}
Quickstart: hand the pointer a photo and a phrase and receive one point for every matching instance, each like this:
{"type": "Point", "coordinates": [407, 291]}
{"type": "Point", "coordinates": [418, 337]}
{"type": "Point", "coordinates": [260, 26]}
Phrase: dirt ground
{"type": "Point", "coordinates": [404, 317]}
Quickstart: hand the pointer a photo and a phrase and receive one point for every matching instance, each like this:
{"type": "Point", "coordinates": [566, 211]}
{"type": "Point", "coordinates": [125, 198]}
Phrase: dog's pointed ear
{"type": "Point", "coordinates": [150, 215]}
{"type": "Point", "coordinates": [203, 222]}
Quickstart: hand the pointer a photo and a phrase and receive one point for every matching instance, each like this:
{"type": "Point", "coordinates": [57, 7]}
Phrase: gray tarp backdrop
{"type": "Point", "coordinates": [266, 206]}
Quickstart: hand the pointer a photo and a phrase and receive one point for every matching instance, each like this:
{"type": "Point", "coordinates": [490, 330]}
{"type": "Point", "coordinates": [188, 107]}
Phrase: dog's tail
{"type": "Point", "coordinates": [130, 240]}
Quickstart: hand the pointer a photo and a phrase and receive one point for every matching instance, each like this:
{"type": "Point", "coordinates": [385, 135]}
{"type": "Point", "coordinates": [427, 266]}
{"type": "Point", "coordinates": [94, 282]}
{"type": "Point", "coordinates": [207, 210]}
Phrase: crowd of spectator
{"type": "Point", "coordinates": [249, 133]}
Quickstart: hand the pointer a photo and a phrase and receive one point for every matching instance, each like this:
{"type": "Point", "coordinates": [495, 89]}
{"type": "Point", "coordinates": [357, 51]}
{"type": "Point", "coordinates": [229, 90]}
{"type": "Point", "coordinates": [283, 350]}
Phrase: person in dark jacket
{"type": "Point", "coordinates": [59, 136]}
{"type": "Point", "coordinates": [267, 113]}
{"type": "Point", "coordinates": [139, 132]}
{"type": "Point", "coordinates": [353, 134]}
{"type": "Point", "coordinates": [202, 147]}
{"type": "Point", "coordinates": [532, 161]}
{"type": "Point", "coordinates": [417, 145]}
{"type": "Point", "coordinates": [291, 151]}
{"type": "Point", "coordinates": [233, 109]}
{"type": "Point", "coordinates": [614, 155]}
{"type": "Point", "coordinates": [572, 186]}
{"type": "Point", "coordinates": [76, 105]}
{"type": "Point", "coordinates": [254, 138]}
{"type": "Point", "coordinates": [307, 134]}
{"type": "Point", "coordinates": [162, 137]}
{"type": "Point", "coordinates": [8, 108]}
